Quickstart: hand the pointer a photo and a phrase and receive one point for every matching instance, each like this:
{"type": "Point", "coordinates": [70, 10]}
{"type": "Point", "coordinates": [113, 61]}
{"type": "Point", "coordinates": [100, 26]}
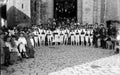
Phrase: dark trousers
{"type": "Point", "coordinates": [7, 55]}
{"type": "Point", "coordinates": [95, 40]}
{"type": "Point", "coordinates": [103, 43]}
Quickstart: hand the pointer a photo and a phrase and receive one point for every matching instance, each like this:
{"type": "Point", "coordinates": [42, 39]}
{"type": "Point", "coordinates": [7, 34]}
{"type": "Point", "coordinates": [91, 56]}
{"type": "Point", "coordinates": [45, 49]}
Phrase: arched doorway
{"type": "Point", "coordinates": [65, 9]}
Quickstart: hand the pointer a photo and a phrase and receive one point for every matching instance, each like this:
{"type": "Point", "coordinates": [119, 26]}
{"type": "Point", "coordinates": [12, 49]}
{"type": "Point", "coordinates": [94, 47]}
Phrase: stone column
{"type": "Point", "coordinates": [102, 11]}
{"type": "Point", "coordinates": [50, 9]}
{"type": "Point", "coordinates": [79, 10]}
{"type": "Point", "coordinates": [99, 12]}
{"type": "Point", "coordinates": [118, 1]}
{"type": "Point", "coordinates": [87, 11]}
{"type": "Point", "coordinates": [95, 11]}
{"type": "Point", "coordinates": [38, 12]}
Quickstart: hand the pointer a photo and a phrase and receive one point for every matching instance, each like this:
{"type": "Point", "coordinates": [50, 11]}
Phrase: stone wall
{"type": "Point", "coordinates": [10, 13]}
{"type": "Point", "coordinates": [22, 11]}
{"type": "Point", "coordinates": [50, 8]}
{"type": "Point", "coordinates": [87, 11]}
{"type": "Point", "coordinates": [18, 11]}
{"type": "Point", "coordinates": [35, 12]}
{"type": "Point", "coordinates": [112, 10]}
{"type": "Point", "coordinates": [79, 10]}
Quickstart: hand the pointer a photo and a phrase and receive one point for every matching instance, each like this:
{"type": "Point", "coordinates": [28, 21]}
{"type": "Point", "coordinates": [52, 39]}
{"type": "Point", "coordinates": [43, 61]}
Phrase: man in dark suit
{"type": "Point", "coordinates": [112, 32]}
{"type": "Point", "coordinates": [103, 34]}
{"type": "Point", "coordinates": [96, 35]}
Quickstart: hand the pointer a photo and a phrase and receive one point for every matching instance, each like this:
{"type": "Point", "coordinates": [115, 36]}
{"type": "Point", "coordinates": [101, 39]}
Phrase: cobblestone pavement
{"type": "Point", "coordinates": [105, 66]}
{"type": "Point", "coordinates": [61, 60]}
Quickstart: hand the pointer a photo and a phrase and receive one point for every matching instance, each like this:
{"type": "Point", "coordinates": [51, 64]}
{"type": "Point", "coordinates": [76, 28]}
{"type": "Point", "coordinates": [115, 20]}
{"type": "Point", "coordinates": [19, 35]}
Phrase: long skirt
{"type": "Point", "coordinates": [13, 57]}
{"type": "Point", "coordinates": [2, 57]}
{"type": "Point", "coordinates": [30, 52]}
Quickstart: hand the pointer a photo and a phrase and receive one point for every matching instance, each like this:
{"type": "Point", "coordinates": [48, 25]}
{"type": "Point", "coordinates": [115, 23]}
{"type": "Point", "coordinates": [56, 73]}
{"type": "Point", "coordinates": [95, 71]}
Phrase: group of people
{"type": "Point", "coordinates": [15, 46]}
{"type": "Point", "coordinates": [19, 43]}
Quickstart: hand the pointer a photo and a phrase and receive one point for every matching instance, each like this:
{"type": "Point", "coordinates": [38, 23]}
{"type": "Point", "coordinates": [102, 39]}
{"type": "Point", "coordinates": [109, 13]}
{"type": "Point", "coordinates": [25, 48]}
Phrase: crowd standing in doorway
{"type": "Point", "coordinates": [19, 43]}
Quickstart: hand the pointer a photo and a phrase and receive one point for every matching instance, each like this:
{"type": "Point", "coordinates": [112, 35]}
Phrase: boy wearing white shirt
{"type": "Point", "coordinates": [91, 37]}
{"type": "Point", "coordinates": [61, 37]}
{"type": "Point", "coordinates": [82, 37]}
{"type": "Point", "coordinates": [77, 37]}
{"type": "Point", "coordinates": [36, 37]}
{"type": "Point", "coordinates": [66, 34]}
{"type": "Point", "coordinates": [87, 38]}
{"type": "Point", "coordinates": [72, 35]}
{"type": "Point", "coordinates": [22, 44]}
{"type": "Point", "coordinates": [56, 37]}
{"type": "Point", "coordinates": [43, 35]}
{"type": "Point", "coordinates": [49, 37]}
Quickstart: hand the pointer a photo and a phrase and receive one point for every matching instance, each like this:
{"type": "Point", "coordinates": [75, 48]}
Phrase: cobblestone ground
{"type": "Point", "coordinates": [62, 60]}
{"type": "Point", "coordinates": [104, 66]}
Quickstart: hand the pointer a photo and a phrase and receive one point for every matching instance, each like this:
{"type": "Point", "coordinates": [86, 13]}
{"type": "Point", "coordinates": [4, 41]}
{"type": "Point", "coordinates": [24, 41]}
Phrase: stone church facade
{"type": "Point", "coordinates": [37, 11]}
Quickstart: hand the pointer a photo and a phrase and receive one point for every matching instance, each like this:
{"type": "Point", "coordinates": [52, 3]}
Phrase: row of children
{"type": "Point", "coordinates": [78, 36]}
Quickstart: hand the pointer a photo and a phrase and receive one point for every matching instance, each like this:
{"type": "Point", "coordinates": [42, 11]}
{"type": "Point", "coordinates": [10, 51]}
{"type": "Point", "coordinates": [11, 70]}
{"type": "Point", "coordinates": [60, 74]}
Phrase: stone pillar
{"type": "Point", "coordinates": [79, 10]}
{"type": "Point", "coordinates": [87, 11]}
{"type": "Point", "coordinates": [38, 12]}
{"type": "Point", "coordinates": [99, 12]}
{"type": "Point", "coordinates": [102, 11]}
{"type": "Point", "coordinates": [95, 11]}
{"type": "Point", "coordinates": [118, 1]}
{"type": "Point", "coordinates": [50, 8]}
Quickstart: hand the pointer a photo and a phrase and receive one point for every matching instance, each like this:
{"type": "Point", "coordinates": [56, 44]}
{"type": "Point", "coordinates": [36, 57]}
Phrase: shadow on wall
{"type": "Point", "coordinates": [3, 12]}
{"type": "Point", "coordinates": [16, 17]}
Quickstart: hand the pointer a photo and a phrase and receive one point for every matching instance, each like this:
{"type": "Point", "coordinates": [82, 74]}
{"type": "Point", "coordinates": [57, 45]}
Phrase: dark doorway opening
{"type": "Point", "coordinates": [65, 9]}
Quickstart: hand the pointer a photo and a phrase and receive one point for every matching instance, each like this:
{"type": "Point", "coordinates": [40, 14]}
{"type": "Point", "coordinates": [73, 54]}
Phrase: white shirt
{"type": "Point", "coordinates": [22, 40]}
{"type": "Point", "coordinates": [8, 44]}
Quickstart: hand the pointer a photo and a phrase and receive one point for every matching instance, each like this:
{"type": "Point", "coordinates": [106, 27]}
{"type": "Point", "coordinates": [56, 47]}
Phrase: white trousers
{"type": "Point", "coordinates": [32, 41]}
{"type": "Point", "coordinates": [61, 38]}
{"type": "Point", "coordinates": [49, 38]}
{"type": "Point", "coordinates": [72, 38]}
{"type": "Point", "coordinates": [43, 38]}
{"type": "Point", "coordinates": [36, 39]}
{"type": "Point", "coordinates": [86, 38]}
{"type": "Point", "coordinates": [22, 48]}
{"type": "Point", "coordinates": [77, 38]}
{"type": "Point", "coordinates": [82, 38]}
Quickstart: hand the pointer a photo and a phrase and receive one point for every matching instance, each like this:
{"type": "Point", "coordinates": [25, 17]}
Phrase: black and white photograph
{"type": "Point", "coordinates": [60, 37]}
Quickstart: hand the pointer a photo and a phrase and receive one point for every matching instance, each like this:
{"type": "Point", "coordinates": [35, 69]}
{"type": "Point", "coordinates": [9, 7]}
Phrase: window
{"type": "Point", "coordinates": [35, 5]}
{"type": "Point", "coordinates": [22, 6]}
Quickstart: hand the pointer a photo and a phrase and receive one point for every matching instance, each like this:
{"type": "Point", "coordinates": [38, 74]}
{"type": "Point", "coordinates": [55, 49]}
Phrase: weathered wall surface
{"type": "Point", "coordinates": [112, 10]}
{"type": "Point", "coordinates": [87, 11]}
{"type": "Point", "coordinates": [79, 10]}
{"type": "Point", "coordinates": [10, 13]}
{"type": "Point", "coordinates": [50, 8]}
{"type": "Point", "coordinates": [35, 11]}
{"type": "Point", "coordinates": [18, 11]}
